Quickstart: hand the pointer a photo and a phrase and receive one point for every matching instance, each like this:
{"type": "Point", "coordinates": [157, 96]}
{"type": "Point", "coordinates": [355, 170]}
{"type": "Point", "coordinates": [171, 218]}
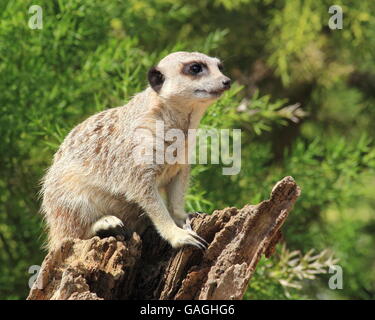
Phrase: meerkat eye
{"type": "Point", "coordinates": [195, 68]}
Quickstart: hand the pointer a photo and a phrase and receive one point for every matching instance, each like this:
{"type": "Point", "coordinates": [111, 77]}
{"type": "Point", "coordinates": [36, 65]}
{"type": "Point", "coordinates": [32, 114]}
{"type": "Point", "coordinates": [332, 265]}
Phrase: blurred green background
{"type": "Point", "coordinates": [304, 97]}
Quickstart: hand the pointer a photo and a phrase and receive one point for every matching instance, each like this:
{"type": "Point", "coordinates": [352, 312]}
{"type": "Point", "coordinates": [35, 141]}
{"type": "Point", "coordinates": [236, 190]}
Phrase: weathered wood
{"type": "Point", "coordinates": [149, 269]}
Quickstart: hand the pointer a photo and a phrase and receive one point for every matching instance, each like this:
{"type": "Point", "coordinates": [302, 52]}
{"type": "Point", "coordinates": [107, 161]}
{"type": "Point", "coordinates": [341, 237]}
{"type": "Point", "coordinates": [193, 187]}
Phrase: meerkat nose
{"type": "Point", "coordinates": [226, 83]}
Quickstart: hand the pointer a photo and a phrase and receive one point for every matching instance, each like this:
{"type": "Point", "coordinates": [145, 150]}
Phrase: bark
{"type": "Point", "coordinates": [146, 267]}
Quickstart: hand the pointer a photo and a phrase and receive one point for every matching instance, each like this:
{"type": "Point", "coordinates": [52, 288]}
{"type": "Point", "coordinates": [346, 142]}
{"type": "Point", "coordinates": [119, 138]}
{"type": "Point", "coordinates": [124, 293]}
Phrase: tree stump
{"type": "Point", "coordinates": [146, 267]}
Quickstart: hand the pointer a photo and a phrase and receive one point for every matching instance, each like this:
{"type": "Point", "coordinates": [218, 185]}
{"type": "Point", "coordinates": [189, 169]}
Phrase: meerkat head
{"type": "Point", "coordinates": [189, 77]}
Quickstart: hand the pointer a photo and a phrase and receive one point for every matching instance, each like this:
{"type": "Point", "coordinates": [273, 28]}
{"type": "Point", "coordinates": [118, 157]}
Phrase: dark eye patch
{"type": "Point", "coordinates": [194, 68]}
{"type": "Point", "coordinates": [220, 66]}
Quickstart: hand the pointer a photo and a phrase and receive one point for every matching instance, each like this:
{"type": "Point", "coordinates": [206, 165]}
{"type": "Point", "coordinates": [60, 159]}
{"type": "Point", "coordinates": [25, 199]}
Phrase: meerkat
{"type": "Point", "coordinates": [94, 183]}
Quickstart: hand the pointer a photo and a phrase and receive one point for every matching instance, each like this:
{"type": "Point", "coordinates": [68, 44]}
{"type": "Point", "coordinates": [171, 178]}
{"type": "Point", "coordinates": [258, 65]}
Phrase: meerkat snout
{"type": "Point", "coordinates": [95, 186]}
{"type": "Point", "coordinates": [227, 83]}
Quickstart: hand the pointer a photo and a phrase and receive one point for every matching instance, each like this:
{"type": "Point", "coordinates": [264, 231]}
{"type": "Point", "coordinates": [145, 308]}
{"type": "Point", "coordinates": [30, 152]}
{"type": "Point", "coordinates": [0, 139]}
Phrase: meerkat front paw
{"type": "Point", "coordinates": [109, 226]}
{"type": "Point", "coordinates": [182, 237]}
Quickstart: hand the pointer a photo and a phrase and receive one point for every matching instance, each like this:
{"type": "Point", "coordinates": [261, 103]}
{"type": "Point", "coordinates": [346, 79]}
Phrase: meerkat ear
{"type": "Point", "coordinates": [156, 79]}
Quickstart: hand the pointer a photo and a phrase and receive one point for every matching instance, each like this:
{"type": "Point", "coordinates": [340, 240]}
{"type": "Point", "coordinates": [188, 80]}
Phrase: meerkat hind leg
{"type": "Point", "coordinates": [109, 226]}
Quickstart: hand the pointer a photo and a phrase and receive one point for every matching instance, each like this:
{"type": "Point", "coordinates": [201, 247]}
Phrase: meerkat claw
{"type": "Point", "coordinates": [197, 244]}
{"type": "Point", "coordinates": [202, 241]}
{"type": "Point", "coordinates": [187, 226]}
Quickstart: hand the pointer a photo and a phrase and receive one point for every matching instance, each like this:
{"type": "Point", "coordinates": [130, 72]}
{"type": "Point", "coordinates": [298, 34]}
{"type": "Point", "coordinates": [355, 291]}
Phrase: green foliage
{"type": "Point", "coordinates": [287, 270]}
{"type": "Point", "coordinates": [303, 98]}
